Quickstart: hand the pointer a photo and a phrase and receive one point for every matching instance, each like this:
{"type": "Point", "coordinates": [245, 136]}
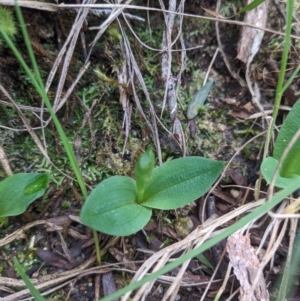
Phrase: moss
{"type": "Point", "coordinates": [7, 22]}
{"type": "Point", "coordinates": [66, 204]}
{"type": "Point", "coordinates": [183, 226]}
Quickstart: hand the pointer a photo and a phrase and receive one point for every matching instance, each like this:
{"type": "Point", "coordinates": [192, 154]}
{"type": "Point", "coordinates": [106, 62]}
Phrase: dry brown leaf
{"type": "Point", "coordinates": [242, 114]}
{"type": "Point", "coordinates": [53, 259]}
{"type": "Point", "coordinates": [248, 106]}
{"type": "Point", "coordinates": [213, 13]}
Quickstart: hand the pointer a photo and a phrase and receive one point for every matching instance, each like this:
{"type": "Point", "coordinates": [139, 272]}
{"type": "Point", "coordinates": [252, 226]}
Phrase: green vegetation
{"type": "Point", "coordinates": [289, 161]}
{"type": "Point", "coordinates": [149, 191]}
{"type": "Point", "coordinates": [121, 206]}
{"type": "Point", "coordinates": [198, 100]}
{"type": "Point", "coordinates": [35, 293]}
{"type": "Point", "coordinates": [7, 23]}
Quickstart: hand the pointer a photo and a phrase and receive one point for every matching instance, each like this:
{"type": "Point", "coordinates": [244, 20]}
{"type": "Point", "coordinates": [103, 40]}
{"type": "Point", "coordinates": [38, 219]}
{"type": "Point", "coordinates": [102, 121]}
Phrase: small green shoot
{"type": "Point", "coordinates": [38, 184]}
{"type": "Point", "coordinates": [198, 100]}
{"type": "Point", "coordinates": [122, 206]}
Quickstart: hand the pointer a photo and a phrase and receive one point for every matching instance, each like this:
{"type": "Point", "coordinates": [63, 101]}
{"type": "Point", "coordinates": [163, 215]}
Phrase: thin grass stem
{"type": "Point", "coordinates": [280, 84]}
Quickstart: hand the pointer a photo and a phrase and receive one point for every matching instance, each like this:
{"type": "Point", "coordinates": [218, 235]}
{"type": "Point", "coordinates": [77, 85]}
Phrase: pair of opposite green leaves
{"type": "Point", "coordinates": [122, 206]}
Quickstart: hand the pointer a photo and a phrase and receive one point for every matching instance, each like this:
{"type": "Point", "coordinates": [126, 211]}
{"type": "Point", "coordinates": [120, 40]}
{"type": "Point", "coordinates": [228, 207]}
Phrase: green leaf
{"type": "Point", "coordinates": [13, 200]}
{"type": "Point", "coordinates": [198, 100]}
{"type": "Point", "coordinates": [111, 208]}
{"type": "Point", "coordinates": [181, 181]}
{"type": "Point", "coordinates": [35, 293]}
{"type": "Point", "coordinates": [252, 5]}
{"type": "Point", "coordinates": [291, 164]}
{"type": "Point", "coordinates": [267, 169]}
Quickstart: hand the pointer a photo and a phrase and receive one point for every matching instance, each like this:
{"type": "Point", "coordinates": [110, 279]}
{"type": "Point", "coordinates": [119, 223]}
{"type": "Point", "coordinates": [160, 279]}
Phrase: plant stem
{"type": "Point", "coordinates": [97, 246]}
{"type": "Point", "coordinates": [279, 90]}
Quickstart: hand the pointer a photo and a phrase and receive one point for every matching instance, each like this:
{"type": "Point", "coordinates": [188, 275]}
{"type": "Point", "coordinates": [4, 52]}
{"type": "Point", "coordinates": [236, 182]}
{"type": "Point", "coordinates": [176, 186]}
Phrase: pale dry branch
{"type": "Point", "coordinates": [133, 70]}
{"type": "Point", "coordinates": [270, 227]}
{"type": "Point", "coordinates": [225, 281]}
{"type": "Point", "coordinates": [4, 162]}
{"type": "Point", "coordinates": [175, 286]}
{"type": "Point", "coordinates": [71, 41]}
{"type": "Point", "coordinates": [20, 233]}
{"type": "Point", "coordinates": [122, 73]}
{"type": "Point", "coordinates": [269, 254]}
{"type": "Point", "coordinates": [212, 278]}
{"type": "Point", "coordinates": [75, 31]}
{"type": "Point", "coordinates": [249, 44]}
{"type": "Point", "coordinates": [54, 7]}
{"type": "Point", "coordinates": [169, 79]}
{"type": "Point", "coordinates": [23, 108]}
{"type": "Point", "coordinates": [251, 38]}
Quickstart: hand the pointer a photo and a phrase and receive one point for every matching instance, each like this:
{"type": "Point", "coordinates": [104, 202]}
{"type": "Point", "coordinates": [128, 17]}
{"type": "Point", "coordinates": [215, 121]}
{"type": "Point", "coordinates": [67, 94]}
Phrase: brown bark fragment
{"type": "Point", "coordinates": [246, 265]}
{"type": "Point", "coordinates": [250, 38]}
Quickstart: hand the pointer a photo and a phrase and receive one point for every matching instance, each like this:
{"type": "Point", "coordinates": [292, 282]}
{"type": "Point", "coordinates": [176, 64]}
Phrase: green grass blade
{"type": "Point", "coordinates": [35, 293]}
{"type": "Point", "coordinates": [28, 45]}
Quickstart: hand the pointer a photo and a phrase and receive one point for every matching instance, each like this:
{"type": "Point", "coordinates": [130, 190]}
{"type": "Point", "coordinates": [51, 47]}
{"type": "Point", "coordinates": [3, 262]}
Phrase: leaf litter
{"type": "Point", "coordinates": [222, 131]}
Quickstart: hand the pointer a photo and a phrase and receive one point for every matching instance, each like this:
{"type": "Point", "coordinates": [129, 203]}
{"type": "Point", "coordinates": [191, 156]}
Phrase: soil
{"type": "Point", "coordinates": [93, 120]}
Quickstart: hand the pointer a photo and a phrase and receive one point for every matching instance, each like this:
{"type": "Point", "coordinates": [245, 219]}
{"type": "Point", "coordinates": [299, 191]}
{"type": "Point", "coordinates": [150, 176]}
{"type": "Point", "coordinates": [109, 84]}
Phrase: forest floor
{"type": "Point", "coordinates": [110, 118]}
